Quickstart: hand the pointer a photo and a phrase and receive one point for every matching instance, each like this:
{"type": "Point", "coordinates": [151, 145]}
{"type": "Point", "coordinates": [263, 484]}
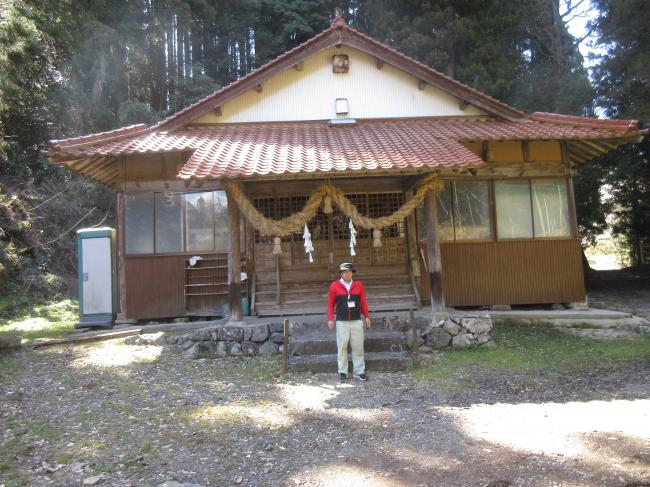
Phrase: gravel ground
{"type": "Point", "coordinates": [111, 414]}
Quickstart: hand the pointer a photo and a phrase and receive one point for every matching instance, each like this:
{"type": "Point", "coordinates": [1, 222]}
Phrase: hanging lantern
{"type": "Point", "coordinates": [376, 235]}
{"type": "Point", "coordinates": [353, 238]}
{"type": "Point", "coordinates": [309, 248]}
{"type": "Point", "coordinates": [277, 249]}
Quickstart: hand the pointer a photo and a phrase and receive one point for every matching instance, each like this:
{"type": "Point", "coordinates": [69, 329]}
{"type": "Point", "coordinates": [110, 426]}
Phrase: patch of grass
{"type": "Point", "coordinates": [526, 350]}
{"type": "Point", "coordinates": [39, 320]}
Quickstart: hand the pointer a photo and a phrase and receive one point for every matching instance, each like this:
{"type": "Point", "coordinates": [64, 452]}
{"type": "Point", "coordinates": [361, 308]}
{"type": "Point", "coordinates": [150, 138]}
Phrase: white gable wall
{"type": "Point", "coordinates": [310, 94]}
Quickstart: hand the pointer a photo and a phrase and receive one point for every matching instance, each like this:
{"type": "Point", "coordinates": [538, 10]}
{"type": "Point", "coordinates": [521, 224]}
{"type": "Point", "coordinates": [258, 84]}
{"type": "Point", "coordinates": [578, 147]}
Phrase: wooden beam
{"type": "Point", "coordinates": [433, 250]}
{"type": "Point", "coordinates": [421, 84]}
{"type": "Point", "coordinates": [463, 104]}
{"type": "Point", "coordinates": [259, 88]}
{"type": "Point", "coordinates": [121, 278]}
{"type": "Point", "coordinates": [572, 208]}
{"type": "Point", "coordinates": [234, 262]}
{"type": "Point", "coordinates": [217, 111]}
{"type": "Point", "coordinates": [525, 149]}
{"type": "Point", "coordinates": [299, 66]}
{"type": "Point", "coordinates": [379, 63]}
{"type": "Point", "coordinates": [600, 146]}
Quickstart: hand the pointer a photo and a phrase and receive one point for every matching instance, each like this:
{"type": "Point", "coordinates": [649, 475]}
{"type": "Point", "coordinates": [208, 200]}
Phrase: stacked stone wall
{"type": "Point", "coordinates": [268, 338]}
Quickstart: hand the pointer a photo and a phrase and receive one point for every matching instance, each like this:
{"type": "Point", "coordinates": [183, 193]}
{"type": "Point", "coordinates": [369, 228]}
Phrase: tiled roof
{"type": "Point", "coordinates": [276, 148]}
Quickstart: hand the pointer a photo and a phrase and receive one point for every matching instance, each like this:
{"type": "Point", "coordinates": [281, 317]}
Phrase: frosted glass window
{"type": "Point", "coordinates": [221, 222]}
{"type": "Point", "coordinates": [445, 212]}
{"type": "Point", "coordinates": [514, 217]}
{"type": "Point", "coordinates": [199, 225]}
{"type": "Point", "coordinates": [169, 222]}
{"type": "Point", "coordinates": [138, 209]}
{"type": "Point", "coordinates": [472, 210]}
{"type": "Point", "coordinates": [550, 208]}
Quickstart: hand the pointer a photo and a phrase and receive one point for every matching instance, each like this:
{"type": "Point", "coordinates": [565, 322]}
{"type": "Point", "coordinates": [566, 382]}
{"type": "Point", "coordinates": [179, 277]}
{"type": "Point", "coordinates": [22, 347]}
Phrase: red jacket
{"type": "Point", "coordinates": [338, 301]}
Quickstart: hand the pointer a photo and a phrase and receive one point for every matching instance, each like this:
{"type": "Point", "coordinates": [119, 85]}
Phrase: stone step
{"type": "Point", "coordinates": [378, 362]}
{"type": "Point", "coordinates": [325, 343]}
{"type": "Point", "coordinates": [389, 321]}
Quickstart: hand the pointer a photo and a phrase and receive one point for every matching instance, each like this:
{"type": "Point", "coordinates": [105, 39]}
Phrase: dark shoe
{"type": "Point", "coordinates": [361, 377]}
{"type": "Point", "coordinates": [343, 378]}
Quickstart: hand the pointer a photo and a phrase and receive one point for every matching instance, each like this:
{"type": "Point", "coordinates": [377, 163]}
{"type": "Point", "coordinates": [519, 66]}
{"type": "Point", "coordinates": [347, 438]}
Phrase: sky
{"type": "Point", "coordinates": [578, 26]}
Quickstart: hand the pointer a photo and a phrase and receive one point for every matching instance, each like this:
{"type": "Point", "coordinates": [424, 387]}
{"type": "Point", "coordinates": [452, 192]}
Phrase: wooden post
{"type": "Point", "coordinates": [234, 261]}
{"type": "Point", "coordinates": [278, 296]}
{"type": "Point", "coordinates": [121, 278]}
{"type": "Point", "coordinates": [416, 345]}
{"type": "Point", "coordinates": [433, 247]}
{"type": "Point", "coordinates": [285, 350]}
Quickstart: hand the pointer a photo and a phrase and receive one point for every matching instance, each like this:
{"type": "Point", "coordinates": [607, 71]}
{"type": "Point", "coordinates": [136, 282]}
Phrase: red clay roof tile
{"type": "Point", "coordinates": [312, 147]}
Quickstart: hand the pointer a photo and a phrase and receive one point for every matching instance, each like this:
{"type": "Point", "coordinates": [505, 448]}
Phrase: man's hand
{"type": "Point", "coordinates": [368, 323]}
{"type": "Point", "coordinates": [330, 325]}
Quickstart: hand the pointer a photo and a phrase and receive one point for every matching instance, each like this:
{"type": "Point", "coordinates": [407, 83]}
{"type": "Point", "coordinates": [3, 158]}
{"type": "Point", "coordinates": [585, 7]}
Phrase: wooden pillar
{"type": "Point", "coordinates": [121, 278]}
{"type": "Point", "coordinates": [573, 217]}
{"type": "Point", "coordinates": [234, 261]}
{"type": "Point", "coordinates": [433, 247]}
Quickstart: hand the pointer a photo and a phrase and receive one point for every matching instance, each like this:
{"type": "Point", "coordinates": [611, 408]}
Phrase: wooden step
{"type": "Point", "coordinates": [311, 282]}
{"type": "Point", "coordinates": [267, 309]}
{"type": "Point", "coordinates": [321, 291]}
{"type": "Point", "coordinates": [317, 274]}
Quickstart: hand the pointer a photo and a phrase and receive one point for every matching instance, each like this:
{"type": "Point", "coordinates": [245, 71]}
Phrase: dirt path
{"type": "Point", "coordinates": [625, 290]}
{"type": "Point", "coordinates": [116, 415]}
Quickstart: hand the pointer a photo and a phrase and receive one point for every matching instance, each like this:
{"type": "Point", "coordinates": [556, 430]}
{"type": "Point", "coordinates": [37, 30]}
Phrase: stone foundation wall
{"type": "Point", "coordinates": [222, 340]}
{"type": "Point", "coordinates": [458, 332]}
{"type": "Point", "coordinates": [266, 339]}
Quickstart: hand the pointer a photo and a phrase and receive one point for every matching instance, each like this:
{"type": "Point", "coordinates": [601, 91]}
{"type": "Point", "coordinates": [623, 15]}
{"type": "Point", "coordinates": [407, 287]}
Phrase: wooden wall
{"type": "Point", "coordinates": [510, 272]}
{"type": "Point", "coordinates": [155, 287]}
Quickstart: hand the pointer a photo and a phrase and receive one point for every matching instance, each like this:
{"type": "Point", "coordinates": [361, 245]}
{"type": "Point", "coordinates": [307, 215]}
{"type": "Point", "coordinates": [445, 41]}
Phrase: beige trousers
{"type": "Point", "coordinates": [350, 332]}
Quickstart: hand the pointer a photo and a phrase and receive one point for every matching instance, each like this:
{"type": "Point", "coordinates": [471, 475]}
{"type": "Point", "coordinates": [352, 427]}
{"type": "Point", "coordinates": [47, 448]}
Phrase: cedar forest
{"type": "Point", "coordinates": [74, 67]}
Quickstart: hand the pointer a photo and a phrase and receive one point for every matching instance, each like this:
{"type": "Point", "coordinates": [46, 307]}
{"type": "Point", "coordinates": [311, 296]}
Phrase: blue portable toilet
{"type": "Point", "coordinates": [96, 263]}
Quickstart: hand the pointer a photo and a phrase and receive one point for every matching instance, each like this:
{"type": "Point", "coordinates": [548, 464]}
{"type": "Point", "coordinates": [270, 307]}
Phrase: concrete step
{"type": "Point", "coordinates": [325, 343]}
{"type": "Point", "coordinates": [588, 314]}
{"type": "Point", "coordinates": [378, 362]}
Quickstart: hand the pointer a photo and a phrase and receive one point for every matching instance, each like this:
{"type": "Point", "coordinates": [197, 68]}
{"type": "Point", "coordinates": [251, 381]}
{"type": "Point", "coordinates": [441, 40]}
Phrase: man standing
{"type": "Point", "coordinates": [347, 299]}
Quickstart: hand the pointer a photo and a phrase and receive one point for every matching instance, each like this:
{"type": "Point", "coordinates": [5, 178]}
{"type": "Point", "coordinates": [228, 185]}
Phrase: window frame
{"type": "Point", "coordinates": [491, 225]}
{"type": "Point", "coordinates": [493, 211]}
{"type": "Point", "coordinates": [569, 207]}
{"type": "Point", "coordinates": [156, 253]}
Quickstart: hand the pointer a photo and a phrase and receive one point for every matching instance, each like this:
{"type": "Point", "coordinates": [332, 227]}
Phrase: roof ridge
{"type": "Point", "coordinates": [98, 137]}
{"type": "Point", "coordinates": [585, 121]}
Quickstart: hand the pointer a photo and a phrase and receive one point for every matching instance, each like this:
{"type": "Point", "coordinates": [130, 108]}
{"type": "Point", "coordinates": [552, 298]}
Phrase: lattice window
{"type": "Point", "coordinates": [279, 208]}
{"type": "Point", "coordinates": [369, 204]}
{"type": "Point", "coordinates": [384, 204]}
{"type": "Point", "coordinates": [341, 221]}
